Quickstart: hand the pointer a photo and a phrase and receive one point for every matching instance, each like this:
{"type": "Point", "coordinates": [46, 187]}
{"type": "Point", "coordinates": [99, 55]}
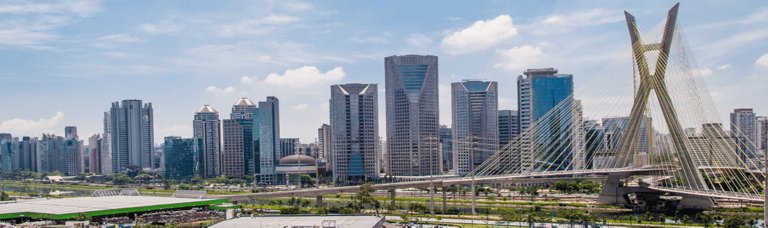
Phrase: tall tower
{"type": "Point", "coordinates": [744, 131]}
{"type": "Point", "coordinates": [540, 91]}
{"type": "Point", "coordinates": [475, 123]}
{"type": "Point", "coordinates": [207, 128]}
{"type": "Point", "coordinates": [28, 153]}
{"type": "Point", "coordinates": [183, 157]}
{"type": "Point", "coordinates": [324, 142]}
{"type": "Point", "coordinates": [267, 127]}
{"type": "Point", "coordinates": [762, 134]}
{"type": "Point", "coordinates": [446, 147]}
{"type": "Point", "coordinates": [509, 126]}
{"type": "Point", "coordinates": [232, 151]}
{"type": "Point", "coordinates": [131, 132]}
{"type": "Point", "coordinates": [355, 129]}
{"type": "Point", "coordinates": [94, 154]}
{"type": "Point", "coordinates": [242, 113]}
{"type": "Point", "coordinates": [7, 153]}
{"type": "Point", "coordinates": [412, 115]}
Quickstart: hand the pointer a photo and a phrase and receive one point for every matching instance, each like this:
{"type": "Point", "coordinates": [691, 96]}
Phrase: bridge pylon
{"type": "Point", "coordinates": [653, 81]}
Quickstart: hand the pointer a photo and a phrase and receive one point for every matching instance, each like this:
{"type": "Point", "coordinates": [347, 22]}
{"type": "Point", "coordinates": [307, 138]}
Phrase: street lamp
{"type": "Point", "coordinates": [431, 174]}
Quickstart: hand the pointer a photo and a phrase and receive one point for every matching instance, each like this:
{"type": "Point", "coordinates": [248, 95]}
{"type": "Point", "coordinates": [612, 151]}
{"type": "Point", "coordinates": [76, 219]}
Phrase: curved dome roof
{"type": "Point", "coordinates": [296, 159]}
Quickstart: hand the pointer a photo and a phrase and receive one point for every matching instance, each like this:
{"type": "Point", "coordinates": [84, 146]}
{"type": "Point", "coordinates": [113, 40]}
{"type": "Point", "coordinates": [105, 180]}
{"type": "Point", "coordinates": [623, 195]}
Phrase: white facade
{"type": "Point", "coordinates": [355, 133]}
{"type": "Point", "coordinates": [475, 123]}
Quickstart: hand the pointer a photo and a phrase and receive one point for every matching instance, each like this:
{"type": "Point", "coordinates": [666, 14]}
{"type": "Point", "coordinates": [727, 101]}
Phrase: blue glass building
{"type": "Point", "coordinates": [183, 157]}
{"type": "Point", "coordinates": [545, 99]}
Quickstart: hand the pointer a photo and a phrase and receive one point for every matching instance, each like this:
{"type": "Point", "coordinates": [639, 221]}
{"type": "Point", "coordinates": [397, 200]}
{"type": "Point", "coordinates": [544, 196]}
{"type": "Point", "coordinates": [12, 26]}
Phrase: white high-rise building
{"type": "Point", "coordinates": [762, 134]}
{"type": "Point", "coordinates": [744, 131]}
{"type": "Point", "coordinates": [130, 126]}
{"type": "Point", "coordinates": [207, 128]}
{"type": "Point", "coordinates": [355, 133]}
{"type": "Point", "coordinates": [475, 123]}
{"type": "Point", "coordinates": [412, 115]}
{"type": "Point", "coordinates": [324, 142]}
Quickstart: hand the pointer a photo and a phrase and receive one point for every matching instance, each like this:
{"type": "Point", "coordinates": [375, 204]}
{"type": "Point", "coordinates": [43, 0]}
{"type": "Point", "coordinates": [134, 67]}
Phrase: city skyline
{"type": "Point", "coordinates": [237, 67]}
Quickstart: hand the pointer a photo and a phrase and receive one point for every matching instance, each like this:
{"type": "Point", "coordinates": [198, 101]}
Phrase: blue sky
{"type": "Point", "coordinates": [64, 61]}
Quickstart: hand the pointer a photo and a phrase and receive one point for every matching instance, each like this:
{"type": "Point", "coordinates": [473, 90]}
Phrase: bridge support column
{"type": "Point", "coordinates": [392, 199]}
{"type": "Point", "coordinates": [319, 200]}
{"type": "Point", "coordinates": [613, 191]}
{"type": "Point", "coordinates": [445, 201]}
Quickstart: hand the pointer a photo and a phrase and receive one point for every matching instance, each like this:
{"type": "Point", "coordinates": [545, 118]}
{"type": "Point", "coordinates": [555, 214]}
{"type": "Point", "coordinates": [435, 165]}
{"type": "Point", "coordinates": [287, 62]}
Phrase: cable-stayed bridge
{"type": "Point", "coordinates": [669, 145]}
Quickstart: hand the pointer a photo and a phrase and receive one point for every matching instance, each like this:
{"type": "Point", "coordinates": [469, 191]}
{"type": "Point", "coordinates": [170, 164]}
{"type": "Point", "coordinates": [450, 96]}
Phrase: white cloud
{"type": "Point", "coordinates": [724, 66]}
{"type": "Point", "coordinates": [221, 91]}
{"type": "Point", "coordinates": [372, 40]}
{"type": "Point", "coordinates": [278, 19]}
{"type": "Point", "coordinates": [122, 38]}
{"type": "Point", "coordinates": [480, 35]}
{"type": "Point", "coordinates": [160, 28]}
{"type": "Point", "coordinates": [256, 26]}
{"type": "Point", "coordinates": [299, 107]}
{"type": "Point", "coordinates": [560, 23]}
{"type": "Point", "coordinates": [32, 127]}
{"type": "Point", "coordinates": [298, 6]}
{"type": "Point", "coordinates": [248, 79]}
{"type": "Point", "coordinates": [419, 40]}
{"type": "Point", "coordinates": [517, 58]}
{"type": "Point", "coordinates": [79, 7]}
{"type": "Point", "coordinates": [305, 76]}
{"type": "Point", "coordinates": [762, 61]}
{"type": "Point", "coordinates": [224, 56]}
{"type": "Point", "coordinates": [39, 28]}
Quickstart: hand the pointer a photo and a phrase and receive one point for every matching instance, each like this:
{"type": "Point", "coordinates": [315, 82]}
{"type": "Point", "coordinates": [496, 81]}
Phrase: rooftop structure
{"type": "Point", "coordinates": [70, 208]}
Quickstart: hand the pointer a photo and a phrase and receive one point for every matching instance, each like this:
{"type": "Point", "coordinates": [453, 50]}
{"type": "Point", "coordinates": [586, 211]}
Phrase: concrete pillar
{"type": "Point", "coordinates": [445, 201]}
{"type": "Point", "coordinates": [319, 200]}
{"type": "Point", "coordinates": [392, 198]}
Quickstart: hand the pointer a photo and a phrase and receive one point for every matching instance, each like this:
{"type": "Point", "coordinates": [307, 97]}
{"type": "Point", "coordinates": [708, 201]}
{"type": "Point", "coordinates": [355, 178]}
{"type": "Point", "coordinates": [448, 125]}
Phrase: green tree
{"type": "Point", "coordinates": [4, 196]}
{"type": "Point", "coordinates": [168, 183]}
{"type": "Point", "coordinates": [733, 222]}
{"type": "Point", "coordinates": [120, 178]}
{"type": "Point", "coordinates": [363, 199]}
{"type": "Point", "coordinates": [509, 215]}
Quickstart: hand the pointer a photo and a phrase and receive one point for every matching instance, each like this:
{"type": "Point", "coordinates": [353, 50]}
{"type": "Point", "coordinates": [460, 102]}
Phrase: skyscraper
{"type": "Point", "coordinates": [267, 127]}
{"type": "Point", "coordinates": [509, 126]}
{"type": "Point", "coordinates": [744, 132]}
{"type": "Point", "coordinates": [28, 153]}
{"type": "Point", "coordinates": [289, 146]}
{"type": "Point", "coordinates": [8, 153]}
{"type": "Point", "coordinates": [355, 129]}
{"type": "Point", "coordinates": [475, 123]}
{"type": "Point", "coordinates": [243, 114]}
{"type": "Point", "coordinates": [324, 142]}
{"type": "Point", "coordinates": [446, 147]}
{"type": "Point", "coordinates": [71, 160]}
{"type": "Point", "coordinates": [412, 115]}
{"type": "Point", "coordinates": [130, 128]}
{"type": "Point", "coordinates": [762, 134]}
{"type": "Point", "coordinates": [50, 148]}
{"type": "Point", "coordinates": [593, 141]}
{"type": "Point", "coordinates": [207, 127]}
{"type": "Point", "coordinates": [94, 154]}
{"type": "Point", "coordinates": [63, 154]}
{"type": "Point", "coordinates": [232, 152]}
{"type": "Point", "coordinates": [540, 91]}
{"type": "Point", "coordinates": [183, 157]}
